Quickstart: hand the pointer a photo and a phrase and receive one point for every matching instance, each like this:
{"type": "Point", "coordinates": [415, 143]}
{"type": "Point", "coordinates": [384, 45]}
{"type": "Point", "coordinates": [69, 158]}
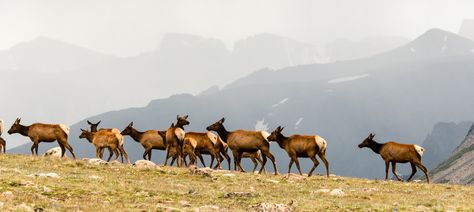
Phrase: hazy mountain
{"type": "Point", "coordinates": [399, 95]}
{"type": "Point", "coordinates": [459, 167]}
{"type": "Point", "coordinates": [345, 49]}
{"type": "Point", "coordinates": [47, 55]}
{"type": "Point", "coordinates": [440, 143]}
{"type": "Point", "coordinates": [467, 29]}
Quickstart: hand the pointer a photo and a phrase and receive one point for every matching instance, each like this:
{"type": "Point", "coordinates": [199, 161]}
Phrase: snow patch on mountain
{"type": "Point", "coordinates": [261, 125]}
{"type": "Point", "coordinates": [349, 78]}
{"type": "Point", "coordinates": [280, 102]}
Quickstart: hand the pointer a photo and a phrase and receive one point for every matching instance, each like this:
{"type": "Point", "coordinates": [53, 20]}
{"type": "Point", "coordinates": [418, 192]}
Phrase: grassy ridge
{"type": "Point", "coordinates": [87, 187]}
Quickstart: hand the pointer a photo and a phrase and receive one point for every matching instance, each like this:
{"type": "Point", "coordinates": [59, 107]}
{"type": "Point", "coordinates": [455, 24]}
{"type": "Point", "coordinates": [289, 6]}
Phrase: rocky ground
{"type": "Point", "coordinates": [28, 183]}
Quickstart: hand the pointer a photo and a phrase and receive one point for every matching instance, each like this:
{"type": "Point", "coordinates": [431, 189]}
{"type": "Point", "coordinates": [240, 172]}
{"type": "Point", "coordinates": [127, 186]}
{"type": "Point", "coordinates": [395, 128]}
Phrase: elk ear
{"type": "Point", "coordinates": [281, 128]}
{"type": "Point", "coordinates": [186, 116]}
{"type": "Point", "coordinates": [17, 120]}
{"type": "Point", "coordinates": [131, 124]}
{"type": "Point", "coordinates": [83, 130]}
{"type": "Point", "coordinates": [172, 125]}
{"type": "Point", "coordinates": [222, 120]}
{"type": "Point", "coordinates": [88, 122]}
{"type": "Point", "coordinates": [99, 122]}
{"type": "Point", "coordinates": [177, 117]}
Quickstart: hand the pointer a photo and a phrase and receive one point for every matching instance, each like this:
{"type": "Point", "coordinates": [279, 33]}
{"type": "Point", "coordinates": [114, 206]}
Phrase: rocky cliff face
{"type": "Point", "coordinates": [443, 139]}
{"type": "Point", "coordinates": [459, 168]}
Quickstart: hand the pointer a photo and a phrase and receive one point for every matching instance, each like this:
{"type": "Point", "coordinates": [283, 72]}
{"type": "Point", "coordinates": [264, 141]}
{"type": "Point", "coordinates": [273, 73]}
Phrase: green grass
{"type": "Point", "coordinates": [87, 187]}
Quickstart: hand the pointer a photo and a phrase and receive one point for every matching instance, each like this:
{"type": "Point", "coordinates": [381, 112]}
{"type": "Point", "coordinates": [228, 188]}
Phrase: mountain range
{"type": "Point", "coordinates": [399, 95]}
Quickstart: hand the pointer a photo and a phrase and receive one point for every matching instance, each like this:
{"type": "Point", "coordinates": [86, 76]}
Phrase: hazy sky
{"type": "Point", "coordinates": [126, 27]}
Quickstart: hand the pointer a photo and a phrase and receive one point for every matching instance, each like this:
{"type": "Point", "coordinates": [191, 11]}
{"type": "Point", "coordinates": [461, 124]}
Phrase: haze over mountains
{"type": "Point", "coordinates": [399, 95]}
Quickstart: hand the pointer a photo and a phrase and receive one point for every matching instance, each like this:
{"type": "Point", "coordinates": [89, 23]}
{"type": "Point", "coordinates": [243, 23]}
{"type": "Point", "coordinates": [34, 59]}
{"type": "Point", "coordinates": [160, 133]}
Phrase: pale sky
{"type": "Point", "coordinates": [126, 27]}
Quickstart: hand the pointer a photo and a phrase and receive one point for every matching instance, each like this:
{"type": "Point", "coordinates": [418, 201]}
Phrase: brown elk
{"type": "Point", "coordinates": [39, 132]}
{"type": "Point", "coordinates": [393, 152]}
{"type": "Point", "coordinates": [301, 146]}
{"type": "Point", "coordinates": [150, 139]}
{"type": "Point", "coordinates": [241, 141]}
{"type": "Point", "coordinates": [118, 134]}
{"type": "Point", "coordinates": [174, 140]}
{"type": "Point", "coordinates": [202, 142]}
{"type": "Point", "coordinates": [103, 139]}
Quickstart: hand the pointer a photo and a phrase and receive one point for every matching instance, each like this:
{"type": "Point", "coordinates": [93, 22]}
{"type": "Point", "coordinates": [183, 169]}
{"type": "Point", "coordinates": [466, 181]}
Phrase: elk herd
{"type": "Point", "coordinates": [180, 145]}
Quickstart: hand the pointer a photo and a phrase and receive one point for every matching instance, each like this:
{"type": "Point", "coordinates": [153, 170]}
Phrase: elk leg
{"type": "Point", "coordinates": [63, 150]}
{"type": "Point", "coordinates": [259, 159]}
{"type": "Point", "coordinates": [202, 160]}
{"type": "Point", "coordinates": [227, 157]}
{"type": "Point", "coordinates": [394, 167]}
{"type": "Point", "coordinates": [145, 154]}
{"type": "Point", "coordinates": [264, 161]}
{"type": "Point", "coordinates": [220, 158]}
{"type": "Point", "coordinates": [322, 155]}
{"type": "Point", "coordinates": [315, 164]}
{"type": "Point", "coordinates": [424, 170]}
{"type": "Point", "coordinates": [124, 153]}
{"type": "Point", "coordinates": [33, 147]}
{"type": "Point", "coordinates": [69, 148]}
{"type": "Point", "coordinates": [149, 154]}
{"type": "Point", "coordinates": [117, 153]}
{"type": "Point", "coordinates": [110, 154]}
{"type": "Point", "coordinates": [255, 164]}
{"type": "Point", "coordinates": [236, 155]}
{"type": "Point", "coordinates": [386, 170]}
{"type": "Point", "coordinates": [267, 153]}
{"type": "Point", "coordinates": [413, 171]}
{"type": "Point", "coordinates": [298, 165]}
{"type": "Point", "coordinates": [217, 155]}
{"type": "Point", "coordinates": [289, 166]}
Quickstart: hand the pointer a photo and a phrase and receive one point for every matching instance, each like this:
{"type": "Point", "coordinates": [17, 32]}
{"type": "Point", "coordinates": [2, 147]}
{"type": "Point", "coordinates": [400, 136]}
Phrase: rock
{"type": "Point", "coordinates": [115, 162]}
{"type": "Point", "coordinates": [144, 164]}
{"type": "Point", "coordinates": [161, 207]}
{"type": "Point", "coordinates": [51, 175]}
{"type": "Point", "coordinates": [7, 194]}
{"type": "Point", "coordinates": [332, 175]}
{"type": "Point", "coordinates": [337, 192]}
{"type": "Point", "coordinates": [22, 207]}
{"type": "Point", "coordinates": [229, 175]}
{"type": "Point", "coordinates": [323, 190]}
{"type": "Point", "coordinates": [26, 183]}
{"type": "Point", "coordinates": [2, 204]}
{"type": "Point", "coordinates": [95, 177]}
{"type": "Point", "coordinates": [95, 161]}
{"type": "Point", "coordinates": [263, 207]}
{"type": "Point", "coordinates": [200, 171]}
{"type": "Point", "coordinates": [53, 152]}
{"type": "Point", "coordinates": [273, 181]}
{"type": "Point", "coordinates": [208, 208]}
{"type": "Point", "coordinates": [46, 189]}
{"type": "Point", "coordinates": [184, 203]}
{"type": "Point", "coordinates": [240, 194]}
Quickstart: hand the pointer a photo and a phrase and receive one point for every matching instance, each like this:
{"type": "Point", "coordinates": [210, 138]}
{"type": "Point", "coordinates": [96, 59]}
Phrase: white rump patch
{"type": "Point", "coordinates": [347, 79]}
{"type": "Point", "coordinates": [2, 126]}
{"type": "Point", "coordinates": [280, 103]}
{"type": "Point", "coordinates": [265, 135]}
{"type": "Point", "coordinates": [115, 130]}
{"type": "Point", "coordinates": [179, 133]}
{"type": "Point", "coordinates": [212, 137]}
{"type": "Point", "coordinates": [120, 138]}
{"type": "Point", "coordinates": [64, 128]}
{"type": "Point", "coordinates": [419, 149]}
{"type": "Point", "coordinates": [320, 142]}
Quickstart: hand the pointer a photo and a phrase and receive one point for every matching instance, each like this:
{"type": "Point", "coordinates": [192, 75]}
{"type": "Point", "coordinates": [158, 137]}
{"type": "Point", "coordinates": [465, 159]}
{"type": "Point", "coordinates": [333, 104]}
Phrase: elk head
{"type": "Point", "coordinates": [276, 134]}
{"type": "Point", "coordinates": [367, 141]}
{"type": "Point", "coordinates": [15, 127]}
{"type": "Point", "coordinates": [216, 126]}
{"type": "Point", "coordinates": [127, 129]}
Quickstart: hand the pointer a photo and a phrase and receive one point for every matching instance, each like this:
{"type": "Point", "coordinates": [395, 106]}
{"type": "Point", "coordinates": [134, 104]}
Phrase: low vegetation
{"type": "Point", "coordinates": [29, 182]}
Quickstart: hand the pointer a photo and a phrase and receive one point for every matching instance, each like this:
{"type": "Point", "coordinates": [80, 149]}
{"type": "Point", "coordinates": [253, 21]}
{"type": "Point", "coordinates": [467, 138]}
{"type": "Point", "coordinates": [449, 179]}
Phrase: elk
{"type": "Point", "coordinates": [2, 141]}
{"type": "Point", "coordinates": [103, 139]}
{"type": "Point", "coordinates": [39, 132]}
{"type": "Point", "coordinates": [241, 141]}
{"type": "Point", "coordinates": [174, 140]}
{"type": "Point", "coordinates": [393, 152]}
{"type": "Point", "coordinates": [204, 142]}
{"type": "Point", "coordinates": [150, 139]}
{"type": "Point", "coordinates": [305, 146]}
{"type": "Point", "coordinates": [115, 131]}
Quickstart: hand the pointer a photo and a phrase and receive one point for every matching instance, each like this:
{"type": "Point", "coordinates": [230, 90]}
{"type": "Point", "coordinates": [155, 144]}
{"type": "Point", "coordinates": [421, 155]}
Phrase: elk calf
{"type": "Point", "coordinates": [301, 146]}
{"type": "Point", "coordinates": [202, 142]}
{"type": "Point", "coordinates": [393, 152]}
{"type": "Point", "coordinates": [39, 132]}
{"type": "Point", "coordinates": [118, 134]}
{"type": "Point", "coordinates": [101, 140]}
